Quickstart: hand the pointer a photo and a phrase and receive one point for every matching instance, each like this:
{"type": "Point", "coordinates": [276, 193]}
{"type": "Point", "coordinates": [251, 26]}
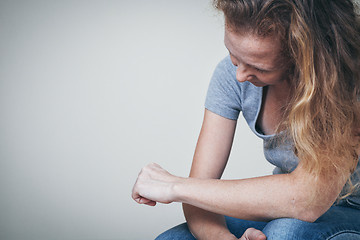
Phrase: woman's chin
{"type": "Point", "coordinates": [258, 84]}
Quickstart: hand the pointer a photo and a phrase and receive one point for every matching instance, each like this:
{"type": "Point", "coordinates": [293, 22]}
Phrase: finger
{"type": "Point", "coordinates": [142, 200]}
{"type": "Point", "coordinates": [135, 195]}
{"type": "Point", "coordinates": [151, 203]}
{"type": "Point", "coordinates": [147, 201]}
{"type": "Point", "coordinates": [253, 234]}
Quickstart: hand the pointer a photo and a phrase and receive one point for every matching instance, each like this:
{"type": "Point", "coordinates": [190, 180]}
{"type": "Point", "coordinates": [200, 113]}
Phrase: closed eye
{"type": "Point", "coordinates": [234, 61]}
{"type": "Point", "coordinates": [261, 70]}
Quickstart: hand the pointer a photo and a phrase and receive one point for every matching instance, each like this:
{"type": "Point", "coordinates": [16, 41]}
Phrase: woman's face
{"type": "Point", "coordinates": [258, 59]}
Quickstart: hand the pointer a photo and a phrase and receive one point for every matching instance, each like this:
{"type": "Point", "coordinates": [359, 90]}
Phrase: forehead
{"type": "Point", "coordinates": [248, 45]}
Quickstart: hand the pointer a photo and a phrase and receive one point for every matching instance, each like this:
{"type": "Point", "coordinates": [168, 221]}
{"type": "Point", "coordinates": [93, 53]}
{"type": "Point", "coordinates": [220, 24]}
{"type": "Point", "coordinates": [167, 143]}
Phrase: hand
{"type": "Point", "coordinates": [253, 234]}
{"type": "Point", "coordinates": [154, 184]}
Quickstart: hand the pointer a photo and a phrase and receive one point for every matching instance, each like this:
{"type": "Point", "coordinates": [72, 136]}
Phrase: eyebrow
{"type": "Point", "coordinates": [251, 65]}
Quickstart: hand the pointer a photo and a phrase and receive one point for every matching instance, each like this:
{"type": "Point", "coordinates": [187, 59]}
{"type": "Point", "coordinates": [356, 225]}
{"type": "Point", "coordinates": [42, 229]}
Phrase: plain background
{"type": "Point", "coordinates": [92, 91]}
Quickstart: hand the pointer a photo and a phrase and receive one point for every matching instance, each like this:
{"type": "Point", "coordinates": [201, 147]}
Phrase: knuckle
{"type": "Point", "coordinates": [144, 170]}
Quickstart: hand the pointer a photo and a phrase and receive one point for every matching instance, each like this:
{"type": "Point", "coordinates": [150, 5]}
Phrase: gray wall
{"type": "Point", "coordinates": [91, 91]}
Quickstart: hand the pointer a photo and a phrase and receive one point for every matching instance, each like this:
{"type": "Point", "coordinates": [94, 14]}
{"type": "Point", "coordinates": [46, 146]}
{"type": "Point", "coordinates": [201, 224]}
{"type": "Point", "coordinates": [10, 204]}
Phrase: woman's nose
{"type": "Point", "coordinates": [242, 73]}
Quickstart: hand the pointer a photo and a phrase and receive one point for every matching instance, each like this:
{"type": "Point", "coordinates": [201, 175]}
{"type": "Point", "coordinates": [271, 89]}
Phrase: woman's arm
{"type": "Point", "coordinates": [296, 195]}
{"type": "Point", "coordinates": [210, 158]}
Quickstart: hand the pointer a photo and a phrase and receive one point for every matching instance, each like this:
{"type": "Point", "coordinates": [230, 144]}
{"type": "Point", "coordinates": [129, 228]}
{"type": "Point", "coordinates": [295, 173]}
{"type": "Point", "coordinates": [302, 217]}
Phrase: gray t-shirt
{"type": "Point", "coordinates": [227, 97]}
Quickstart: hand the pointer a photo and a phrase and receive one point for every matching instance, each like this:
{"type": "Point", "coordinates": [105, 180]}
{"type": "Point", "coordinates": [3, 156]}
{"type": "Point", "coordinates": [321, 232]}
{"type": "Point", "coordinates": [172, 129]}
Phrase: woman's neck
{"type": "Point", "coordinates": [280, 92]}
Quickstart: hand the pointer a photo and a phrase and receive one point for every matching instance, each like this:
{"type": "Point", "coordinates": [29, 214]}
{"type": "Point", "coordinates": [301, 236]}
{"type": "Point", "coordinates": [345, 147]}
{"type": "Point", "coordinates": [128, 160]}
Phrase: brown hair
{"type": "Point", "coordinates": [321, 39]}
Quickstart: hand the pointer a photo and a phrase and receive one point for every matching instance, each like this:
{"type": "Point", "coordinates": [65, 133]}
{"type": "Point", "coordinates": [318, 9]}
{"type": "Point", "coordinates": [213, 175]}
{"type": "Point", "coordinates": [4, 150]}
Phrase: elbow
{"type": "Point", "coordinates": [308, 215]}
{"type": "Point", "coordinates": [309, 212]}
{"type": "Point", "coordinates": [311, 198]}
{"type": "Point", "coordinates": [308, 209]}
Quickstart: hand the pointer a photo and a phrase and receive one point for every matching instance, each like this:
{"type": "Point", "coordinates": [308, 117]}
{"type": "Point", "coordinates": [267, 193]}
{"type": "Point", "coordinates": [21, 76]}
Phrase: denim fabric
{"type": "Point", "coordinates": [338, 223]}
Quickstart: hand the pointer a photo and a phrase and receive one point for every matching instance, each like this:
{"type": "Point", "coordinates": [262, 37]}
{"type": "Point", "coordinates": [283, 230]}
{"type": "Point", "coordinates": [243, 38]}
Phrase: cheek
{"type": "Point", "coordinates": [275, 77]}
{"type": "Point", "coordinates": [267, 79]}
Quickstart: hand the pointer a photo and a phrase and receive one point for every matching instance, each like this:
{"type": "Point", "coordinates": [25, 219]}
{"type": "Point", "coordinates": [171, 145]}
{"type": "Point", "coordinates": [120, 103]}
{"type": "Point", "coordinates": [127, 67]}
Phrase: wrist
{"type": "Point", "coordinates": [178, 189]}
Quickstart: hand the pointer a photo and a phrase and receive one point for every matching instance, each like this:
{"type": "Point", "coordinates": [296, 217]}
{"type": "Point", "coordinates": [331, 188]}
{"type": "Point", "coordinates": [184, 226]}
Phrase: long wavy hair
{"type": "Point", "coordinates": [321, 40]}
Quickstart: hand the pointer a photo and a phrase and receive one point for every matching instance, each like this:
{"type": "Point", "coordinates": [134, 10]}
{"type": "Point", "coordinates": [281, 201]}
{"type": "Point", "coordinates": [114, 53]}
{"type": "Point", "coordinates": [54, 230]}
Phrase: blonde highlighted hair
{"type": "Point", "coordinates": [321, 40]}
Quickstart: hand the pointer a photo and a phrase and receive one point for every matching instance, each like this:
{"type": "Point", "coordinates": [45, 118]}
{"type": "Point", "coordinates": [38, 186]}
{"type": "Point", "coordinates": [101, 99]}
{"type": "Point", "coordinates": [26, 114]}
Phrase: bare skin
{"type": "Point", "coordinates": [206, 198]}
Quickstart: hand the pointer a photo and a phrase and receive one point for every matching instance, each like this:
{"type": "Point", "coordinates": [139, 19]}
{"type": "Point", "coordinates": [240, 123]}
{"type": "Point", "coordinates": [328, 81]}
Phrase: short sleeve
{"type": "Point", "coordinates": [224, 92]}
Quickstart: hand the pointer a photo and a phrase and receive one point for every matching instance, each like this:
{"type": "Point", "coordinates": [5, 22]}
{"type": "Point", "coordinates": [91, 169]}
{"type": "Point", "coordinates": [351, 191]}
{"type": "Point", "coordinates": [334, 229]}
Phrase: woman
{"type": "Point", "coordinates": [293, 71]}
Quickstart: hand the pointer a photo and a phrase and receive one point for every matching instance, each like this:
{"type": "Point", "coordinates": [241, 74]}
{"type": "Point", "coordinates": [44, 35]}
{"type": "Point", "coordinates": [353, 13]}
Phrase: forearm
{"type": "Point", "coordinates": [263, 198]}
{"type": "Point", "coordinates": [210, 158]}
{"type": "Point", "coordinates": [206, 225]}
{"type": "Point", "coordinates": [295, 195]}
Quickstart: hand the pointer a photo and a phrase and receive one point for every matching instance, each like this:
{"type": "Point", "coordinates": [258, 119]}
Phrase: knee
{"type": "Point", "coordinates": [177, 233]}
{"type": "Point", "coordinates": [287, 228]}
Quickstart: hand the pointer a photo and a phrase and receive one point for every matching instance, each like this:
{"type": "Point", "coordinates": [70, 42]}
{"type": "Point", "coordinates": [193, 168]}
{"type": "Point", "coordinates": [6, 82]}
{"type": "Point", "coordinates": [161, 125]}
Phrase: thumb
{"type": "Point", "coordinates": [253, 234]}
